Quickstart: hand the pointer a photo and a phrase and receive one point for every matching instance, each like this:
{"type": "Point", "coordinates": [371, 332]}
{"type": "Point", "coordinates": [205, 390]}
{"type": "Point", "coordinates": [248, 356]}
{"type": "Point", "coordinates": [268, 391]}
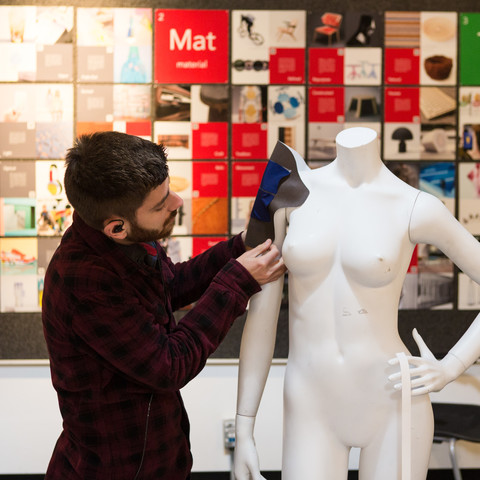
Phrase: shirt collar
{"type": "Point", "coordinates": [114, 253]}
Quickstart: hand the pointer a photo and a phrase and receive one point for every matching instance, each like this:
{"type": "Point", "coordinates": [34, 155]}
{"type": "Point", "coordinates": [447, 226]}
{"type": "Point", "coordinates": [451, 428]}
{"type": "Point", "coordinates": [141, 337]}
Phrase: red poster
{"type": "Point", "coordinates": [141, 129]}
{"type": "Point", "coordinates": [402, 66]}
{"type": "Point", "coordinates": [326, 104]}
{"type": "Point", "coordinates": [209, 140]}
{"type": "Point", "coordinates": [191, 46]}
{"type": "Point", "coordinates": [402, 105]}
{"type": "Point", "coordinates": [249, 140]}
{"type": "Point", "coordinates": [210, 179]}
{"type": "Point", "coordinates": [200, 244]}
{"type": "Point", "coordinates": [413, 267]}
{"type": "Point", "coordinates": [326, 65]}
{"type": "Point", "coordinates": [287, 65]}
{"type": "Point", "coordinates": [246, 178]}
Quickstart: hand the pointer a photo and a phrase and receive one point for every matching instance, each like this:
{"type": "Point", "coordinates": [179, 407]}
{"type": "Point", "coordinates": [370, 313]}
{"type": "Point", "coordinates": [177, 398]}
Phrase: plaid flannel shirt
{"type": "Point", "coordinates": [118, 359]}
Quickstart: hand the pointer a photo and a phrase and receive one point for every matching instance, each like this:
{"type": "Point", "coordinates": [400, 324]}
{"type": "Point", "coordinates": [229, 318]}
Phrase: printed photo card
{"type": "Point", "coordinates": [36, 43]}
{"type": "Point", "coordinates": [114, 45]}
{"type": "Point", "coordinates": [191, 46]}
{"type": "Point", "coordinates": [268, 47]}
{"type": "Point", "coordinates": [420, 48]}
{"type": "Point", "coordinates": [344, 48]}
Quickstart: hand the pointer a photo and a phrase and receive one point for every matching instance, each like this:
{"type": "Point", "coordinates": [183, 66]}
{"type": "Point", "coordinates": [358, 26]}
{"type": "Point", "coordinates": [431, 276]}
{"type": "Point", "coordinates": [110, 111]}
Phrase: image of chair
{"type": "Point", "coordinates": [456, 422]}
{"type": "Point", "coordinates": [287, 29]}
{"type": "Point", "coordinates": [363, 105]}
{"type": "Point", "coordinates": [366, 28]}
{"type": "Point", "coordinates": [330, 28]}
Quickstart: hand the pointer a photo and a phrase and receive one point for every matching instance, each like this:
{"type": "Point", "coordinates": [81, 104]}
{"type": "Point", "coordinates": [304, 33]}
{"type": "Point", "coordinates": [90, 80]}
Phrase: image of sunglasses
{"type": "Point", "coordinates": [256, 65]}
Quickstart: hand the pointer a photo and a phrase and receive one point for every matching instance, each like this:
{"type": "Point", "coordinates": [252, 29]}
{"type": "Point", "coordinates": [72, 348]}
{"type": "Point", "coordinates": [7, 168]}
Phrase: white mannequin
{"type": "Point", "coordinates": [347, 251]}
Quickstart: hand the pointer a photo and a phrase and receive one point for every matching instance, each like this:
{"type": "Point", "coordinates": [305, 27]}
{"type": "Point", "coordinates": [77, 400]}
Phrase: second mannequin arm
{"type": "Point", "coordinates": [433, 223]}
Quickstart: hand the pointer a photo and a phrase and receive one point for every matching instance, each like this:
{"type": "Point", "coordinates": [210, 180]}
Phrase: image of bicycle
{"type": "Point", "coordinates": [246, 28]}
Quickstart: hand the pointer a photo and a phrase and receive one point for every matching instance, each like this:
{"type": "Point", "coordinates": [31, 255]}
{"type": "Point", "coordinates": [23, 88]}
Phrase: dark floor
{"type": "Point", "coordinates": [432, 475]}
{"type": "Point", "coordinates": [353, 475]}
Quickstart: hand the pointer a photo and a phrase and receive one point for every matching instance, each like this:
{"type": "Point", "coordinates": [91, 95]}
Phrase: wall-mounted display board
{"type": "Point", "coordinates": [219, 83]}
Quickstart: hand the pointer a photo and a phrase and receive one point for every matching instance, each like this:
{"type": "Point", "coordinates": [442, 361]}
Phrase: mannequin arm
{"type": "Point", "coordinates": [256, 352]}
{"type": "Point", "coordinates": [432, 223]}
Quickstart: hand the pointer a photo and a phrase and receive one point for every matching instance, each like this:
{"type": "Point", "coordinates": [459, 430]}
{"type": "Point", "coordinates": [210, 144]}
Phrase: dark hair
{"type": "Point", "coordinates": [111, 173]}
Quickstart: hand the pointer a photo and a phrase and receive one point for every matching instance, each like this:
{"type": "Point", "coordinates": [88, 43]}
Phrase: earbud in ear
{"type": "Point", "coordinates": [118, 228]}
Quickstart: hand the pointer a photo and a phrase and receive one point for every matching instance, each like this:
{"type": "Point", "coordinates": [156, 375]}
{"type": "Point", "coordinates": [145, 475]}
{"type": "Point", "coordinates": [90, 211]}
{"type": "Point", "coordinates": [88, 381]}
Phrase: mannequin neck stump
{"type": "Point", "coordinates": [358, 157]}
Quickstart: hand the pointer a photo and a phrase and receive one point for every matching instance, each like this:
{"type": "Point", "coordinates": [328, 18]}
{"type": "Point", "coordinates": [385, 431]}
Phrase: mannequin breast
{"type": "Point", "coordinates": [357, 233]}
{"type": "Point", "coordinates": [347, 252]}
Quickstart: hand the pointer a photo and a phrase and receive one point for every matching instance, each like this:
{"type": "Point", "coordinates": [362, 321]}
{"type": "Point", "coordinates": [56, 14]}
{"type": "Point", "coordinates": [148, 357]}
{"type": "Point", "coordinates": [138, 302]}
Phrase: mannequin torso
{"type": "Point", "coordinates": [347, 249]}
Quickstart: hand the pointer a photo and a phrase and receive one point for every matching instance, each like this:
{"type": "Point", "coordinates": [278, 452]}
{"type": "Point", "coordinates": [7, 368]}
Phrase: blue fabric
{"type": "Point", "coordinates": [260, 207]}
{"type": "Point", "coordinates": [274, 172]}
{"type": "Point", "coordinates": [272, 176]}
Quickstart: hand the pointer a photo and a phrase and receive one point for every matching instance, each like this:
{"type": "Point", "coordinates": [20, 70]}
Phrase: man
{"type": "Point", "coordinates": [117, 357]}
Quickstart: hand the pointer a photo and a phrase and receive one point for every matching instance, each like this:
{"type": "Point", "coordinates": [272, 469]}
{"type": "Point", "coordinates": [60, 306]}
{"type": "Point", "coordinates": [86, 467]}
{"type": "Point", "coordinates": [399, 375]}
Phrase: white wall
{"type": "Point", "coordinates": [30, 421]}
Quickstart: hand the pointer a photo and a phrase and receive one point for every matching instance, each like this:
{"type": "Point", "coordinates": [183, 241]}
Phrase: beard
{"type": "Point", "coordinates": [138, 234]}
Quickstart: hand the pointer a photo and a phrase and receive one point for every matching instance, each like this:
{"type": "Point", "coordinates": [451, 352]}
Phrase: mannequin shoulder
{"type": "Point", "coordinates": [429, 205]}
{"type": "Point", "coordinates": [429, 217]}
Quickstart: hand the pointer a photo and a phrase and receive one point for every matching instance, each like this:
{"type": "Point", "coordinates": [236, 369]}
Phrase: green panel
{"type": "Point", "coordinates": [469, 48]}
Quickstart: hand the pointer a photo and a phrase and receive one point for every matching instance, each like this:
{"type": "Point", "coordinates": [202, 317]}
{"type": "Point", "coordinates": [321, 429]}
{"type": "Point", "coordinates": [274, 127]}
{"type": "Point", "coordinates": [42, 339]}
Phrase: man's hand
{"type": "Point", "coordinates": [263, 262]}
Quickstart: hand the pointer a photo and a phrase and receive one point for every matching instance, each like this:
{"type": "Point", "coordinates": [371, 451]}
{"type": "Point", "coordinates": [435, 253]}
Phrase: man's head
{"type": "Point", "coordinates": [119, 184]}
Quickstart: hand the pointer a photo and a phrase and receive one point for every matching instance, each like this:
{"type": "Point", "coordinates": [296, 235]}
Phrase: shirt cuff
{"type": "Point", "coordinates": [237, 245]}
{"type": "Point", "coordinates": [234, 274]}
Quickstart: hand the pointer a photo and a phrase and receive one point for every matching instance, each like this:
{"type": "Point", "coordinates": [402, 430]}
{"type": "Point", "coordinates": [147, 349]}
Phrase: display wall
{"type": "Point", "coordinates": [219, 86]}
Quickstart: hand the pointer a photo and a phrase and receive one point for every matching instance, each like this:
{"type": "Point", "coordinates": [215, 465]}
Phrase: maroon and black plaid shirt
{"type": "Point", "coordinates": [118, 359]}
